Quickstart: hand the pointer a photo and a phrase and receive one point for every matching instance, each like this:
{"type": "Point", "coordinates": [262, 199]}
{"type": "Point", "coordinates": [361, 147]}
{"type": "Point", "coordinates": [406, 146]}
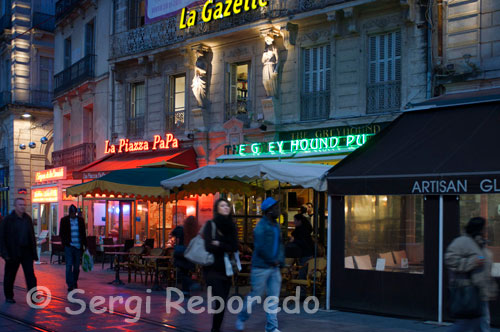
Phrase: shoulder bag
{"type": "Point", "coordinates": [196, 252]}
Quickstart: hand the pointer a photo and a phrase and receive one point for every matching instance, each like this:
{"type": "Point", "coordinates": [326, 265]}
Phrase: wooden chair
{"type": "Point", "coordinates": [363, 262]}
{"type": "Point", "coordinates": [150, 264]}
{"type": "Point", "coordinates": [108, 251]}
{"type": "Point", "coordinates": [134, 263]}
{"type": "Point", "coordinates": [389, 260]}
{"type": "Point", "coordinates": [349, 262]}
{"type": "Point", "coordinates": [310, 281]}
{"type": "Point", "coordinates": [288, 272]}
{"type": "Point", "coordinates": [57, 249]}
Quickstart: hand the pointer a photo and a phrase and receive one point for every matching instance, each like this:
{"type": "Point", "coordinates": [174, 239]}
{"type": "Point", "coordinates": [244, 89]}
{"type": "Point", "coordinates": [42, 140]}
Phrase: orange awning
{"type": "Point", "coordinates": [107, 164]}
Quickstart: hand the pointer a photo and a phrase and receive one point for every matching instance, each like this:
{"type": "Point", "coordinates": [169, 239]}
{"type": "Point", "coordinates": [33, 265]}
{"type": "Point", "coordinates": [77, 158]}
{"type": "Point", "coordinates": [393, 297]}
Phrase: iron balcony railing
{"type": "Point", "coordinates": [75, 156]}
{"type": "Point", "coordinates": [43, 21]}
{"type": "Point", "coordinates": [315, 105]}
{"type": "Point", "coordinates": [77, 73]}
{"type": "Point", "coordinates": [64, 7]}
{"type": "Point", "coordinates": [5, 98]}
{"type": "Point", "coordinates": [241, 110]}
{"type": "Point", "coordinates": [383, 97]}
{"type": "Point", "coordinates": [135, 127]}
{"type": "Point", "coordinates": [176, 120]}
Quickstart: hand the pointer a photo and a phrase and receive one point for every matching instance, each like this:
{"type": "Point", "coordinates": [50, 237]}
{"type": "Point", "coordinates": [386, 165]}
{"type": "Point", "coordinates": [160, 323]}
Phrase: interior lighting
{"type": "Point", "coordinates": [26, 115]}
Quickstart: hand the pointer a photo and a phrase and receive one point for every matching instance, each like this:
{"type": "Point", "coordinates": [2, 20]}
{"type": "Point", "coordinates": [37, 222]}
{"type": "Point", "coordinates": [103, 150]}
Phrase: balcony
{"type": "Point", "coordinates": [315, 106]}
{"type": "Point", "coordinates": [5, 98]}
{"type": "Point", "coordinates": [74, 157]}
{"type": "Point", "coordinates": [240, 110]}
{"type": "Point", "coordinates": [135, 127]}
{"type": "Point", "coordinates": [166, 32]}
{"type": "Point", "coordinates": [383, 97]}
{"type": "Point", "coordinates": [42, 21]}
{"type": "Point", "coordinates": [75, 74]}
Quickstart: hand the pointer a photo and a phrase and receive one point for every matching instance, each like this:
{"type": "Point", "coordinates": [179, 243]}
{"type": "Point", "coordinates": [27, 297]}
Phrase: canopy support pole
{"type": "Point", "coordinates": [440, 277]}
{"type": "Point", "coordinates": [315, 220]}
{"type": "Point", "coordinates": [164, 222]}
{"type": "Point", "coordinates": [329, 254]}
{"type": "Point", "coordinates": [134, 217]}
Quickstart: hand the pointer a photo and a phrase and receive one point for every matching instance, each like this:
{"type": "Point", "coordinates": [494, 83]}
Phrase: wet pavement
{"type": "Point", "coordinates": [59, 314]}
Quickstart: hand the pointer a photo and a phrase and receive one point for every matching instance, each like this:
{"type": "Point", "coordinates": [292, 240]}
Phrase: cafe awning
{"type": "Point", "coordinates": [141, 183]}
{"type": "Point", "coordinates": [264, 175]}
{"type": "Point", "coordinates": [445, 150]}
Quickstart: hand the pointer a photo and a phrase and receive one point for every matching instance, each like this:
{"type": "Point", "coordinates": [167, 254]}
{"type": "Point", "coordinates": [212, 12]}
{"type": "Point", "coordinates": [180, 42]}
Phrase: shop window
{"type": "Point", "coordinates": [137, 107]}
{"type": "Point", "coordinates": [315, 97]}
{"type": "Point", "coordinates": [384, 233]}
{"type": "Point", "coordinates": [176, 113]}
{"type": "Point", "coordinates": [237, 100]}
{"type": "Point", "coordinates": [488, 207]}
{"type": "Point", "coordinates": [384, 76]}
{"type": "Point", "coordinates": [137, 13]}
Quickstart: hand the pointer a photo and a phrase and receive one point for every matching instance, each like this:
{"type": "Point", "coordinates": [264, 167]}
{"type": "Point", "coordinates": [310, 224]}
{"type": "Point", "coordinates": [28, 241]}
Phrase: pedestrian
{"type": "Point", "coordinates": [467, 258]}
{"type": "Point", "coordinates": [74, 239]}
{"type": "Point", "coordinates": [183, 235]}
{"type": "Point", "coordinates": [18, 247]}
{"type": "Point", "coordinates": [301, 237]}
{"type": "Point", "coordinates": [225, 241]}
{"type": "Point", "coordinates": [268, 256]}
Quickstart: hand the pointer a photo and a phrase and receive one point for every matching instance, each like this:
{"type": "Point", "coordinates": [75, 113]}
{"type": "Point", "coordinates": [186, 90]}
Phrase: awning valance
{"type": "Point", "coordinates": [449, 150]}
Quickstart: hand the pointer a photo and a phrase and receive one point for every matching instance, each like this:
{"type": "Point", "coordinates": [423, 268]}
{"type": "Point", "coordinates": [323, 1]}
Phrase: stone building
{"type": "Point", "coordinates": [26, 71]}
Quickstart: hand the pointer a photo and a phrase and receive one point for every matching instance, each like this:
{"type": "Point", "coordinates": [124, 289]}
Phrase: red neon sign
{"type": "Point", "coordinates": [125, 146]}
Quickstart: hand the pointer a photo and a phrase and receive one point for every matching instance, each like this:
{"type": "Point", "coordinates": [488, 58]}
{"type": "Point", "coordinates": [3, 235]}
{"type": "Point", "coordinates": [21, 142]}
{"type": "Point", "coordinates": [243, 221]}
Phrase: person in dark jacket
{"type": "Point", "coordinates": [74, 240]}
{"type": "Point", "coordinates": [225, 241]}
{"type": "Point", "coordinates": [18, 247]}
{"type": "Point", "coordinates": [268, 257]}
{"type": "Point", "coordinates": [304, 241]}
{"type": "Point", "coordinates": [183, 235]}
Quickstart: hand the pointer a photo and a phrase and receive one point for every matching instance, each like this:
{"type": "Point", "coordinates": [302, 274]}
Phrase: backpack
{"type": "Point", "coordinates": [196, 252]}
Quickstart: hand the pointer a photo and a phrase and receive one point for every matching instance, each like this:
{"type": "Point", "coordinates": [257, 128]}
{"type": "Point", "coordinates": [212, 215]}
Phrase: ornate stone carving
{"type": "Point", "coordinates": [289, 33]}
{"type": "Point", "coordinates": [200, 79]}
{"type": "Point", "coordinates": [349, 15]}
{"type": "Point", "coordinates": [314, 36]}
{"type": "Point", "coordinates": [382, 22]}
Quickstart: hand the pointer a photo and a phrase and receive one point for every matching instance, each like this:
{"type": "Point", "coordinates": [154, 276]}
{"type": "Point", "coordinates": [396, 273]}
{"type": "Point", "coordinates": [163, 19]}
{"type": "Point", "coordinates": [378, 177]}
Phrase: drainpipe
{"type": "Point", "coordinates": [329, 254]}
{"type": "Point", "coordinates": [429, 57]}
{"type": "Point", "coordinates": [440, 275]}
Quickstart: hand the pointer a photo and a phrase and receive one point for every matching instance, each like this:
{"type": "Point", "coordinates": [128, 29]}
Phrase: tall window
{"type": "Point", "coordinates": [315, 98]}
{"type": "Point", "coordinates": [384, 77]}
{"type": "Point", "coordinates": [177, 108]}
{"type": "Point", "coordinates": [89, 38]}
{"type": "Point", "coordinates": [67, 52]}
{"type": "Point", "coordinates": [238, 103]}
{"type": "Point", "coordinates": [137, 13]}
{"type": "Point", "coordinates": [45, 73]}
{"type": "Point", "coordinates": [135, 121]}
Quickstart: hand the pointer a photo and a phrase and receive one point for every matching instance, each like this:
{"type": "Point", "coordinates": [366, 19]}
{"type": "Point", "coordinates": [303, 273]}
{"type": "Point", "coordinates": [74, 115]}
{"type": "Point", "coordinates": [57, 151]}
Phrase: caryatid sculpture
{"type": "Point", "coordinates": [270, 66]}
{"type": "Point", "coordinates": [199, 85]}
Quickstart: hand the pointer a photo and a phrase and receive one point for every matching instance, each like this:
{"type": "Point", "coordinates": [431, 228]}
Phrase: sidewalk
{"type": "Point", "coordinates": [55, 316]}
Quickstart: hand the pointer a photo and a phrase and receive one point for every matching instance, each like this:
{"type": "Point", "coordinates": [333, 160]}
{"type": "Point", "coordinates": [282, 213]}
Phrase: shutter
{"type": "Point", "coordinates": [373, 59]}
{"type": "Point", "coordinates": [307, 70]}
{"type": "Point", "coordinates": [233, 84]}
{"type": "Point", "coordinates": [398, 56]}
{"type": "Point", "coordinates": [315, 66]}
{"type": "Point", "coordinates": [327, 68]}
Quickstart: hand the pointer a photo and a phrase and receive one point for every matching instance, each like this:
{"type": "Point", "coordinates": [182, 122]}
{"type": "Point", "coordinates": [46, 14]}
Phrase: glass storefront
{"type": "Point", "coordinates": [384, 233]}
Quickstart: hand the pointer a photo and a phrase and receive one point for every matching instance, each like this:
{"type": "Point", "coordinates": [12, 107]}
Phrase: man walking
{"type": "Point", "coordinates": [74, 240]}
{"type": "Point", "coordinates": [267, 257]}
{"type": "Point", "coordinates": [18, 247]}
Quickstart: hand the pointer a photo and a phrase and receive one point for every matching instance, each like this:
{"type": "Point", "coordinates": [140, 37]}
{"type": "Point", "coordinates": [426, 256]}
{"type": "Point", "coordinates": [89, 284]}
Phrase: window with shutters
{"type": "Point", "coordinates": [137, 108]}
{"type": "Point", "coordinates": [315, 96]}
{"type": "Point", "coordinates": [384, 76]}
{"type": "Point", "coordinates": [237, 97]}
{"type": "Point", "coordinates": [176, 112]}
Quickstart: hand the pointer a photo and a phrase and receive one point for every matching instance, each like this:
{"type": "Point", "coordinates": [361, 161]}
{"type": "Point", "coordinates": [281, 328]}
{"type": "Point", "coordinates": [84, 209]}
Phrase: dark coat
{"type": "Point", "coordinates": [65, 231]}
{"type": "Point", "coordinates": [228, 244]}
{"type": "Point", "coordinates": [9, 240]}
{"type": "Point", "coordinates": [303, 239]}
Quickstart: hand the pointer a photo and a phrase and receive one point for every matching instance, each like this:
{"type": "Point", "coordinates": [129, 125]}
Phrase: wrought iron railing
{"type": "Point", "coordinates": [5, 98]}
{"type": "Point", "coordinates": [241, 110]}
{"type": "Point", "coordinates": [77, 73]}
{"type": "Point", "coordinates": [166, 32]}
{"type": "Point", "coordinates": [64, 7]}
{"type": "Point", "coordinates": [43, 21]}
{"type": "Point", "coordinates": [75, 156]}
{"type": "Point", "coordinates": [135, 127]}
{"type": "Point", "coordinates": [176, 120]}
{"type": "Point", "coordinates": [383, 97]}
{"type": "Point", "coordinates": [315, 106]}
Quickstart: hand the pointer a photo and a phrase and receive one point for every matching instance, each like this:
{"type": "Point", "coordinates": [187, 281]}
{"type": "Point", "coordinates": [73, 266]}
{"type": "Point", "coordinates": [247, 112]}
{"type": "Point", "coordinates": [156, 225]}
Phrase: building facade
{"type": "Point", "coordinates": [26, 70]}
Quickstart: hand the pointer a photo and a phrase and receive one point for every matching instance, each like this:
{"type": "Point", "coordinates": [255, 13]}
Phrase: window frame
{"type": "Point", "coordinates": [171, 109]}
{"type": "Point", "coordinates": [231, 88]}
{"type": "Point", "coordinates": [132, 110]}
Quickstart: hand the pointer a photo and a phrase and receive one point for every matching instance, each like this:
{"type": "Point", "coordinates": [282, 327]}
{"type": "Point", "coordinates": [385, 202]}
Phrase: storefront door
{"type": "Point", "coordinates": [125, 221]}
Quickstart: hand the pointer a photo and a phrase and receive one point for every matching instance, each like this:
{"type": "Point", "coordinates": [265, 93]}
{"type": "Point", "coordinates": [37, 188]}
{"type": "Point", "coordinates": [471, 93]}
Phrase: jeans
{"type": "Point", "coordinates": [268, 281]}
{"type": "Point", "coordinates": [480, 324]}
{"type": "Point", "coordinates": [11, 267]}
{"type": "Point", "coordinates": [73, 258]}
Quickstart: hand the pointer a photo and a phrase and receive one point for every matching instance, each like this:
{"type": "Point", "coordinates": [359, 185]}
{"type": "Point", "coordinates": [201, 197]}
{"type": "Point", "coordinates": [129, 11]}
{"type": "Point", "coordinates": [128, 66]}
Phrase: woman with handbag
{"type": "Point", "coordinates": [183, 235]}
{"type": "Point", "coordinates": [469, 263]}
{"type": "Point", "coordinates": [224, 242]}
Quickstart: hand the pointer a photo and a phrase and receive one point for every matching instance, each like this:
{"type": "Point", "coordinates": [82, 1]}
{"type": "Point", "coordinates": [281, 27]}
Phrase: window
{"type": "Point", "coordinates": [45, 73]}
{"type": "Point", "coordinates": [384, 233]}
{"type": "Point", "coordinates": [384, 77]}
{"type": "Point", "coordinates": [89, 38]}
{"type": "Point", "coordinates": [137, 13]}
{"type": "Point", "coordinates": [67, 52]}
{"type": "Point", "coordinates": [237, 98]}
{"type": "Point", "coordinates": [135, 123]}
{"type": "Point", "coordinates": [177, 108]}
{"type": "Point", "coordinates": [315, 98]}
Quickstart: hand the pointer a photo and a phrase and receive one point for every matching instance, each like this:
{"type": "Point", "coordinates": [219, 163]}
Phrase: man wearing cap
{"type": "Point", "coordinates": [267, 258]}
{"type": "Point", "coordinates": [74, 240]}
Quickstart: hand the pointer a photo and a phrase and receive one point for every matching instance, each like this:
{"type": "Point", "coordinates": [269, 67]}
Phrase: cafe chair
{"type": "Point", "coordinates": [134, 263]}
{"type": "Point", "coordinates": [56, 249]}
{"type": "Point", "coordinates": [314, 277]}
{"type": "Point", "coordinates": [363, 262]}
{"type": "Point", "coordinates": [150, 264]}
{"type": "Point", "coordinates": [109, 252]}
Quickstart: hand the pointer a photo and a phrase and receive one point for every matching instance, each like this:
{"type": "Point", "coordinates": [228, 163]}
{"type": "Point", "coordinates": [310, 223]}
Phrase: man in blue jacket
{"type": "Point", "coordinates": [267, 258]}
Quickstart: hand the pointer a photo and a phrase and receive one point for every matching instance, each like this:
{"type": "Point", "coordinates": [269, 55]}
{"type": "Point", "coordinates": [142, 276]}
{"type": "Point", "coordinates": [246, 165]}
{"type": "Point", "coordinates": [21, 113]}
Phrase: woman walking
{"type": "Point", "coordinates": [225, 241]}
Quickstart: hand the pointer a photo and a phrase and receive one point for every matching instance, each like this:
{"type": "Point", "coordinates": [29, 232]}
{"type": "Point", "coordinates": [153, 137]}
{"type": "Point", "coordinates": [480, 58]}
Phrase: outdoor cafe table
{"type": "Point", "coordinates": [156, 285]}
{"type": "Point", "coordinates": [117, 254]}
{"type": "Point", "coordinates": [104, 246]}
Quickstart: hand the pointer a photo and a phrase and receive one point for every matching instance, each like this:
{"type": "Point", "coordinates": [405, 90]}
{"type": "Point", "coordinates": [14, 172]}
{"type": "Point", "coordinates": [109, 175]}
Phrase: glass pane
{"type": "Point", "coordinates": [385, 233]}
{"type": "Point", "coordinates": [180, 84]}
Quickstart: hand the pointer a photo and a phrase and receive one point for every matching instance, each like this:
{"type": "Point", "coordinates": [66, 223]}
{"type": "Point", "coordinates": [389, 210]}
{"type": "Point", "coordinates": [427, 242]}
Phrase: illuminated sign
{"type": "Point", "coordinates": [157, 10]}
{"type": "Point", "coordinates": [52, 174]}
{"type": "Point", "coordinates": [322, 144]}
{"type": "Point", "coordinates": [44, 195]}
{"type": "Point", "coordinates": [216, 10]}
{"type": "Point", "coordinates": [125, 145]}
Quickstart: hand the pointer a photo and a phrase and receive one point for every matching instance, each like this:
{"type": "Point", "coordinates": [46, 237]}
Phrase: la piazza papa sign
{"type": "Point", "coordinates": [125, 145]}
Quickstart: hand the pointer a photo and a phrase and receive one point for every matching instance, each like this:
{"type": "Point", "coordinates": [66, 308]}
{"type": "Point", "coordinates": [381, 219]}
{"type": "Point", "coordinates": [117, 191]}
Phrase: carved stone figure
{"type": "Point", "coordinates": [270, 67]}
{"type": "Point", "coordinates": [199, 85]}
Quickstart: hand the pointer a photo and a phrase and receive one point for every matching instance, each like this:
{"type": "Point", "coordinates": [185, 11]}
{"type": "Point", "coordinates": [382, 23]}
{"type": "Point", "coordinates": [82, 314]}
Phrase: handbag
{"type": "Point", "coordinates": [87, 261]}
{"type": "Point", "coordinates": [465, 299]}
{"type": "Point", "coordinates": [233, 265]}
{"type": "Point", "coordinates": [196, 252]}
